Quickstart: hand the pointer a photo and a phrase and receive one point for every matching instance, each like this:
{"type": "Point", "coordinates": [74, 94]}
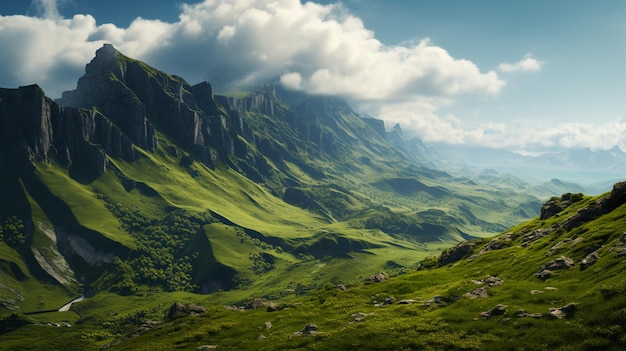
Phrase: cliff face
{"type": "Point", "coordinates": [33, 127]}
{"type": "Point", "coordinates": [138, 99]}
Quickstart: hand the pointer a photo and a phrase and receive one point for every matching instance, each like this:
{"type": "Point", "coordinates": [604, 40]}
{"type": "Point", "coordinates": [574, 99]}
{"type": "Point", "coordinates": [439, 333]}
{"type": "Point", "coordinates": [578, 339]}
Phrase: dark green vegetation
{"type": "Point", "coordinates": [137, 190]}
{"type": "Point", "coordinates": [491, 294]}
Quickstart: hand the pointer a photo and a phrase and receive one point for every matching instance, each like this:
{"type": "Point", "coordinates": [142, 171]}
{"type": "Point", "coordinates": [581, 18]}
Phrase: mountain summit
{"type": "Point", "coordinates": [137, 179]}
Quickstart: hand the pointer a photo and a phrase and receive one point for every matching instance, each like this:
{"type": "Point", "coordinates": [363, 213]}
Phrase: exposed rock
{"type": "Point", "coordinates": [378, 277]}
{"type": "Point", "coordinates": [407, 302]}
{"type": "Point", "coordinates": [262, 303]}
{"type": "Point", "coordinates": [589, 260]}
{"type": "Point", "coordinates": [206, 347]}
{"type": "Point", "coordinates": [537, 234]}
{"type": "Point", "coordinates": [561, 312]}
{"type": "Point", "coordinates": [524, 314]}
{"type": "Point", "coordinates": [179, 310]}
{"type": "Point", "coordinates": [268, 325]}
{"type": "Point", "coordinates": [549, 267]}
{"type": "Point", "coordinates": [378, 302]}
{"type": "Point", "coordinates": [557, 204]}
{"type": "Point", "coordinates": [602, 206]}
{"type": "Point", "coordinates": [309, 329]}
{"type": "Point", "coordinates": [536, 292]}
{"type": "Point", "coordinates": [456, 253]}
{"type": "Point", "coordinates": [478, 293]}
{"type": "Point", "coordinates": [498, 310]}
{"type": "Point", "coordinates": [341, 287]}
{"type": "Point", "coordinates": [567, 242]}
{"type": "Point", "coordinates": [493, 281]}
{"type": "Point", "coordinates": [360, 316]}
{"type": "Point", "coordinates": [435, 300]}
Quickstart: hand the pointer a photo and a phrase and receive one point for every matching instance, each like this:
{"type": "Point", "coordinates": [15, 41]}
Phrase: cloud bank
{"type": "Point", "coordinates": [319, 49]}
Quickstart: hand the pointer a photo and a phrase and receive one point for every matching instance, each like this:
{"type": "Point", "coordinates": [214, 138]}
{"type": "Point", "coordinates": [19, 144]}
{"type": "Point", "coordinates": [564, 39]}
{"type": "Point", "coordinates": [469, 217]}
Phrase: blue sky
{"type": "Point", "coordinates": [523, 75]}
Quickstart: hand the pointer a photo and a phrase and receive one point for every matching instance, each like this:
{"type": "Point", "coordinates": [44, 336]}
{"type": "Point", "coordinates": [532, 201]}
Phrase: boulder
{"type": "Point", "coordinates": [549, 267]}
{"type": "Point", "coordinates": [309, 329]}
{"type": "Point", "coordinates": [498, 310]}
{"type": "Point", "coordinates": [589, 260]}
{"type": "Point", "coordinates": [561, 312]}
{"type": "Point", "coordinates": [478, 293]}
{"type": "Point", "coordinates": [456, 253]}
{"type": "Point", "coordinates": [378, 277]}
{"type": "Point", "coordinates": [179, 310]}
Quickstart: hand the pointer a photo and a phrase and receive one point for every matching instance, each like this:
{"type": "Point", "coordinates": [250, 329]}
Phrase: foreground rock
{"type": "Point", "coordinates": [549, 267]}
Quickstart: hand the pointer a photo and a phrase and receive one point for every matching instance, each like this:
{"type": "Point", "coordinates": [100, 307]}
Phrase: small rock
{"type": "Point", "coordinates": [478, 293]}
{"type": "Point", "coordinates": [389, 300]}
{"type": "Point", "coordinates": [358, 317]}
{"type": "Point", "coordinates": [206, 347]}
{"type": "Point", "coordinates": [589, 260]}
{"type": "Point", "coordinates": [341, 287]}
{"type": "Point", "coordinates": [268, 325]}
{"type": "Point", "coordinates": [378, 277]}
{"type": "Point", "coordinates": [179, 310]}
{"type": "Point", "coordinates": [561, 312]}
{"type": "Point", "coordinates": [498, 310]}
{"type": "Point", "coordinates": [310, 329]}
{"type": "Point", "coordinates": [436, 300]}
{"type": "Point", "coordinates": [406, 302]}
{"type": "Point", "coordinates": [261, 337]}
{"type": "Point", "coordinates": [535, 292]}
{"type": "Point", "coordinates": [560, 263]}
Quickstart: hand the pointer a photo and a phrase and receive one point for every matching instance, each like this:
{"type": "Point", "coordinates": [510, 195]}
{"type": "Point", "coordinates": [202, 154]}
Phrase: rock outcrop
{"type": "Point", "coordinates": [33, 127]}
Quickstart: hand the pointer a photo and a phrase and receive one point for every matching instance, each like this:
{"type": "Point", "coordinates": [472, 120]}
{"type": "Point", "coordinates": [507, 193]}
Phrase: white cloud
{"type": "Point", "coordinates": [527, 64]}
{"type": "Point", "coordinates": [328, 50]}
{"type": "Point", "coordinates": [320, 49]}
{"type": "Point", "coordinates": [420, 119]}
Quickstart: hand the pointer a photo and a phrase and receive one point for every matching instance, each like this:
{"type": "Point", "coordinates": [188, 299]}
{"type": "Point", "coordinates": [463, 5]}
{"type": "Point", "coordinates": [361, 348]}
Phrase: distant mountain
{"type": "Point", "coordinates": [138, 180]}
{"type": "Point", "coordinates": [595, 170]}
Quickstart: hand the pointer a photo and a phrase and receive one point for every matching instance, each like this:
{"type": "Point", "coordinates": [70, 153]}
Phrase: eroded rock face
{"type": "Point", "coordinates": [33, 127]}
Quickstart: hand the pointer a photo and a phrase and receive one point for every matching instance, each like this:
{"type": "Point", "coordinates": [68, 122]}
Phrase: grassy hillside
{"type": "Point", "coordinates": [485, 294]}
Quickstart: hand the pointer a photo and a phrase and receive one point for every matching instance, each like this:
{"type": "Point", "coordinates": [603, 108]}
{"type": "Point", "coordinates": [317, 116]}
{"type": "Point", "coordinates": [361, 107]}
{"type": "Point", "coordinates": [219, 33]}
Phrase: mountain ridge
{"type": "Point", "coordinates": [144, 164]}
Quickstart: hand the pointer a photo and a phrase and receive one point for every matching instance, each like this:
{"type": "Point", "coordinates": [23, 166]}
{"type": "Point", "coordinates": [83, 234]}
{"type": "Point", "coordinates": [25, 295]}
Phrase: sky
{"type": "Point", "coordinates": [529, 76]}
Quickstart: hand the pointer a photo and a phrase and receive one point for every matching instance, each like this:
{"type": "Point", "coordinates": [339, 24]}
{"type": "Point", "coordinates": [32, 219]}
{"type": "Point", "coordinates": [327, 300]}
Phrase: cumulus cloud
{"type": "Point", "coordinates": [320, 49]}
{"type": "Point", "coordinates": [421, 119]}
{"type": "Point", "coordinates": [527, 64]}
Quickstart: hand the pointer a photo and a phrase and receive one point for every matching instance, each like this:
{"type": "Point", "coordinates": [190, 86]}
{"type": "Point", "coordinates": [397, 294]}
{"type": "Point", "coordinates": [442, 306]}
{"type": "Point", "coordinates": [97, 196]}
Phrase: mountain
{"type": "Point", "coordinates": [594, 170]}
{"type": "Point", "coordinates": [137, 182]}
{"type": "Point", "coordinates": [554, 282]}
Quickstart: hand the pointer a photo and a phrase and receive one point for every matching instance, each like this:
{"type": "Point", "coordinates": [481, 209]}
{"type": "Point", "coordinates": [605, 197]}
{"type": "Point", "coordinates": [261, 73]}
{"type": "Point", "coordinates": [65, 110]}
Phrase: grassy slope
{"type": "Point", "coordinates": [598, 323]}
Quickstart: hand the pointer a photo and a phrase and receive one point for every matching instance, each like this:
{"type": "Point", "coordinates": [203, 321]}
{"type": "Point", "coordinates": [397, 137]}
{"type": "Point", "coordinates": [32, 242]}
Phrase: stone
{"type": "Point", "coordinates": [549, 267]}
{"type": "Point", "coordinates": [589, 260]}
{"type": "Point", "coordinates": [268, 325]}
{"type": "Point", "coordinates": [456, 253]}
{"type": "Point", "coordinates": [378, 277]}
{"type": "Point", "coordinates": [561, 312]}
{"type": "Point", "coordinates": [206, 347]}
{"type": "Point", "coordinates": [179, 310]}
{"type": "Point", "coordinates": [435, 300]}
{"type": "Point", "coordinates": [478, 293]}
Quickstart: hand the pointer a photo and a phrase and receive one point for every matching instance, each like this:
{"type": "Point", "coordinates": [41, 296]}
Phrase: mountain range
{"type": "Point", "coordinates": [137, 186]}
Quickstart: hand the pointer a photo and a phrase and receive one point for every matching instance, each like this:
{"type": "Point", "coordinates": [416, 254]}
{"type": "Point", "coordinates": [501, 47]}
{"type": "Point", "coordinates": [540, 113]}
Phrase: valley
{"type": "Point", "coordinates": [140, 190]}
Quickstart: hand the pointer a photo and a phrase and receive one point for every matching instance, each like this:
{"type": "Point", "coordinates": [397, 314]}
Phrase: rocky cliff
{"type": "Point", "coordinates": [33, 127]}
